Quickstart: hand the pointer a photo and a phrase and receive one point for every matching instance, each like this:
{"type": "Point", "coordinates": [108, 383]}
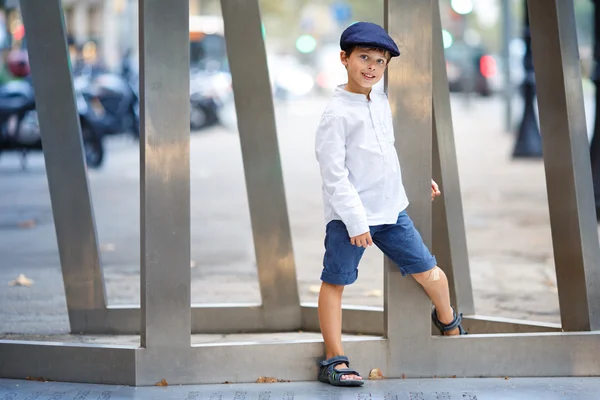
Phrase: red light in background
{"type": "Point", "coordinates": [487, 66]}
{"type": "Point", "coordinates": [19, 32]}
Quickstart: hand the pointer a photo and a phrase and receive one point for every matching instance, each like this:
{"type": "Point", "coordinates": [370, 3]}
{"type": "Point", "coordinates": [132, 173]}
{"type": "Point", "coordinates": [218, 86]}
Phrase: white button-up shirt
{"type": "Point", "coordinates": [354, 144]}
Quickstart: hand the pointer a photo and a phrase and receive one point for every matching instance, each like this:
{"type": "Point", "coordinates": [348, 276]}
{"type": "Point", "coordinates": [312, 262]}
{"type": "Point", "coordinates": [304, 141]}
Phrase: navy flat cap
{"type": "Point", "coordinates": [368, 34]}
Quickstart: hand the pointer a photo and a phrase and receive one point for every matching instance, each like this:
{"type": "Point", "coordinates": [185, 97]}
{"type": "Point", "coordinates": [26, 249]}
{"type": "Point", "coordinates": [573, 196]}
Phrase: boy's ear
{"type": "Point", "coordinates": [343, 58]}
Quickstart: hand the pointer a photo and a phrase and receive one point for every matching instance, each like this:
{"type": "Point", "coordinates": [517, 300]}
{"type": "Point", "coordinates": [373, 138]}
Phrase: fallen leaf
{"type": "Point", "coordinates": [374, 293]}
{"type": "Point", "coordinates": [506, 378]}
{"type": "Point", "coordinates": [267, 379]}
{"type": "Point", "coordinates": [39, 379]}
{"type": "Point", "coordinates": [21, 280]}
{"type": "Point", "coordinates": [193, 264]}
{"type": "Point", "coordinates": [227, 383]}
{"type": "Point", "coordinates": [314, 289]}
{"type": "Point", "coordinates": [27, 224]}
{"type": "Point", "coordinates": [376, 374]}
{"type": "Point", "coordinates": [162, 383]}
{"type": "Point", "coordinates": [403, 376]}
{"type": "Point", "coordinates": [453, 376]}
{"type": "Point", "coordinates": [107, 247]}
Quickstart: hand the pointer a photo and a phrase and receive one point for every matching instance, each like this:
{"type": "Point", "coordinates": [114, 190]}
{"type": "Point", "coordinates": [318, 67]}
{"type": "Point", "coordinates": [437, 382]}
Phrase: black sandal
{"type": "Point", "coordinates": [456, 323]}
{"type": "Point", "coordinates": [328, 373]}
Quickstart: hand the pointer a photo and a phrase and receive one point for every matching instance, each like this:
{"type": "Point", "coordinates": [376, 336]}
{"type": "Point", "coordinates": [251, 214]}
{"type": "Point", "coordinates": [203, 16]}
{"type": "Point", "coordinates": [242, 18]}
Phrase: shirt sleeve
{"type": "Point", "coordinates": [330, 149]}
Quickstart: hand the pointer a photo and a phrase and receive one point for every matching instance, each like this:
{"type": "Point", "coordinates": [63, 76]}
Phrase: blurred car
{"type": "Point", "coordinates": [470, 69]}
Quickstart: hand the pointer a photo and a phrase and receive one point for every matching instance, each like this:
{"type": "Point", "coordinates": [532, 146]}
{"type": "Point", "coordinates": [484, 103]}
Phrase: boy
{"type": "Point", "coordinates": [364, 198]}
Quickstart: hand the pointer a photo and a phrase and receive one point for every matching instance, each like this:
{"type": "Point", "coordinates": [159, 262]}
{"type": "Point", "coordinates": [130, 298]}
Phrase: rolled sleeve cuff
{"type": "Point", "coordinates": [358, 228]}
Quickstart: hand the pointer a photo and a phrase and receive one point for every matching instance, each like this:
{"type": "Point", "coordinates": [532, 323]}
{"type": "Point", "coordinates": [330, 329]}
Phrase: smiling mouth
{"type": "Point", "coordinates": [368, 76]}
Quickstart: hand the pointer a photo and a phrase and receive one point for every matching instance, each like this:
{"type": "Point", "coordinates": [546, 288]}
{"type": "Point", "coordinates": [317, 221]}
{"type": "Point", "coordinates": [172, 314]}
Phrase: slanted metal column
{"type": "Point", "coordinates": [64, 157]}
{"type": "Point", "coordinates": [165, 174]}
{"type": "Point", "coordinates": [567, 162]}
{"type": "Point", "coordinates": [449, 237]}
{"type": "Point", "coordinates": [406, 306]}
{"type": "Point", "coordinates": [262, 164]}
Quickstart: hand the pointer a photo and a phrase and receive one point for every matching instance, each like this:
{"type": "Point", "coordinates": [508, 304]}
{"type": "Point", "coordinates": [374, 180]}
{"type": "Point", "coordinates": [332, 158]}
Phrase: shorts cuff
{"type": "Point", "coordinates": [339, 279]}
{"type": "Point", "coordinates": [419, 267]}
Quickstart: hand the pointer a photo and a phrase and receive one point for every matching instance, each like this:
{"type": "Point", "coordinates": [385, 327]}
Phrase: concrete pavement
{"type": "Point", "coordinates": [409, 389]}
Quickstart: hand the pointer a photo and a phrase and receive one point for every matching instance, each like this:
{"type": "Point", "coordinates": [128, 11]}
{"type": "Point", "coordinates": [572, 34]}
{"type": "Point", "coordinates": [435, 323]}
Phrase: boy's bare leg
{"type": "Point", "coordinates": [330, 320]}
{"type": "Point", "coordinates": [439, 293]}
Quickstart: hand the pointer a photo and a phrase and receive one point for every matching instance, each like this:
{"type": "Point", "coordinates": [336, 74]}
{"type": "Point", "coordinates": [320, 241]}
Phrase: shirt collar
{"type": "Point", "coordinates": [343, 93]}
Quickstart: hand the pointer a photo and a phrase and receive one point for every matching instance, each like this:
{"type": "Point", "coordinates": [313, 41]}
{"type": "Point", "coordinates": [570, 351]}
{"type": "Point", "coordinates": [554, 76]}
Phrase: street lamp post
{"type": "Point", "coordinates": [529, 140]}
{"type": "Point", "coordinates": [595, 145]}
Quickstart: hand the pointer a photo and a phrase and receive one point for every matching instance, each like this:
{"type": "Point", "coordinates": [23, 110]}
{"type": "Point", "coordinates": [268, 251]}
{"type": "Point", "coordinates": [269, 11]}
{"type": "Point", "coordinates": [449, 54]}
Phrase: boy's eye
{"type": "Point", "coordinates": [380, 61]}
{"type": "Point", "coordinates": [364, 57]}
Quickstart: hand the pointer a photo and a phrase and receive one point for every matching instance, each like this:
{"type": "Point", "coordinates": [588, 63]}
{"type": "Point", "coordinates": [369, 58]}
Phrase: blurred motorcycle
{"type": "Point", "coordinates": [113, 99]}
{"type": "Point", "coordinates": [20, 130]}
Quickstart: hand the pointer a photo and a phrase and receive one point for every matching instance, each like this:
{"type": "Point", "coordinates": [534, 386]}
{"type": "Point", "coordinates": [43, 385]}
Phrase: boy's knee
{"type": "Point", "coordinates": [430, 276]}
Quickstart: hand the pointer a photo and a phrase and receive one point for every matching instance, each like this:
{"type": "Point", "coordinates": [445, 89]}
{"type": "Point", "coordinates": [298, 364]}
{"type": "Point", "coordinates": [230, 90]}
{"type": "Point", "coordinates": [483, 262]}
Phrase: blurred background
{"type": "Point", "coordinates": [494, 116]}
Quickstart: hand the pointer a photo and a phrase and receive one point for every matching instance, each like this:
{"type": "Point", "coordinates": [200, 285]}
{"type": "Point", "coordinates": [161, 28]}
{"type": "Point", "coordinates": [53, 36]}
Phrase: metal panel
{"type": "Point", "coordinates": [246, 362]}
{"type": "Point", "coordinates": [63, 154]}
{"type": "Point", "coordinates": [165, 173]}
{"type": "Point", "coordinates": [480, 325]}
{"type": "Point", "coordinates": [262, 164]}
{"type": "Point", "coordinates": [369, 321]}
{"type": "Point", "coordinates": [249, 318]}
{"type": "Point", "coordinates": [552, 354]}
{"type": "Point", "coordinates": [449, 237]}
{"type": "Point", "coordinates": [113, 365]}
{"type": "Point", "coordinates": [213, 318]}
{"type": "Point", "coordinates": [410, 92]}
{"type": "Point", "coordinates": [567, 162]}
{"type": "Point", "coordinates": [534, 354]}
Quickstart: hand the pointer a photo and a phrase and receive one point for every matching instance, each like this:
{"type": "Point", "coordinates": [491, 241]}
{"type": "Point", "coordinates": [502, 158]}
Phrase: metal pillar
{"type": "Point", "coordinates": [262, 163]}
{"type": "Point", "coordinates": [449, 238]}
{"type": "Point", "coordinates": [529, 141]}
{"type": "Point", "coordinates": [64, 157]}
{"type": "Point", "coordinates": [407, 348]}
{"type": "Point", "coordinates": [164, 174]}
{"type": "Point", "coordinates": [595, 145]}
{"type": "Point", "coordinates": [410, 94]}
{"type": "Point", "coordinates": [567, 163]}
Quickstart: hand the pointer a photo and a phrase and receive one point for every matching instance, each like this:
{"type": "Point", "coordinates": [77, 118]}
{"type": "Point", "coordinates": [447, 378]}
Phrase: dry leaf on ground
{"type": "Point", "coordinates": [376, 374]}
{"type": "Point", "coordinates": [162, 383]}
{"type": "Point", "coordinates": [21, 280]}
{"type": "Point", "coordinates": [267, 379]}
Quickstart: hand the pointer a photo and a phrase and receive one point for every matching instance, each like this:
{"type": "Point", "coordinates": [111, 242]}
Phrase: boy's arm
{"type": "Point", "coordinates": [330, 148]}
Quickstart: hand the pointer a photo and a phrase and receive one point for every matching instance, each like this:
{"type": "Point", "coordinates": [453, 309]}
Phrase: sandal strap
{"type": "Point", "coordinates": [456, 323]}
{"type": "Point", "coordinates": [344, 371]}
{"type": "Point", "coordinates": [333, 361]}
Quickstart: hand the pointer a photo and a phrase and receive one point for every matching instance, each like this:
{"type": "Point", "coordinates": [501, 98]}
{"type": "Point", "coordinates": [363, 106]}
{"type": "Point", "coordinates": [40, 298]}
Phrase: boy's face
{"type": "Point", "coordinates": [365, 67]}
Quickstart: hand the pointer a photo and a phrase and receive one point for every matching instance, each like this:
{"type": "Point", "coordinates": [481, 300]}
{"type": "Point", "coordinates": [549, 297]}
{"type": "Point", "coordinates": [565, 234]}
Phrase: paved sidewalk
{"type": "Point", "coordinates": [409, 389]}
{"type": "Point", "coordinates": [505, 207]}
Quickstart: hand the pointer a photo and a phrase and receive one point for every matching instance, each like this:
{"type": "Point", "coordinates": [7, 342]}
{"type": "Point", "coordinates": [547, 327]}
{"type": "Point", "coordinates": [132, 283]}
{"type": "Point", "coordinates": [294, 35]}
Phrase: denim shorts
{"type": "Point", "coordinates": [401, 242]}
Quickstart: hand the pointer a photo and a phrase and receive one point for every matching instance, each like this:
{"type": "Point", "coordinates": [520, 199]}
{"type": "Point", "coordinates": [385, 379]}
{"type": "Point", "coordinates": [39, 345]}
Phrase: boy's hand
{"type": "Point", "coordinates": [363, 240]}
{"type": "Point", "coordinates": [435, 190]}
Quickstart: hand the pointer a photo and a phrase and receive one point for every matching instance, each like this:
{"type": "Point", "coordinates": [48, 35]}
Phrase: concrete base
{"type": "Point", "coordinates": [409, 389]}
